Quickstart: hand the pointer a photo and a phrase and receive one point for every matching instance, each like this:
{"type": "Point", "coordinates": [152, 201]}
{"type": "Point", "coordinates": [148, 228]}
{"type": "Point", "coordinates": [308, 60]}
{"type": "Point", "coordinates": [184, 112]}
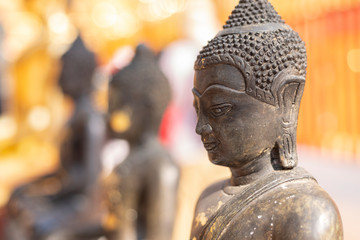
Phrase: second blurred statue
{"type": "Point", "coordinates": [142, 189]}
{"type": "Point", "coordinates": [67, 198]}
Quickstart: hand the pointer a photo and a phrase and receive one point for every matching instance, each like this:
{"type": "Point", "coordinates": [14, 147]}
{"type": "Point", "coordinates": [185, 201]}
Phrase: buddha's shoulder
{"type": "Point", "coordinates": [212, 198]}
{"type": "Point", "coordinates": [305, 193]}
{"type": "Point", "coordinates": [298, 209]}
{"type": "Point", "coordinates": [214, 188]}
{"type": "Point", "coordinates": [209, 202]}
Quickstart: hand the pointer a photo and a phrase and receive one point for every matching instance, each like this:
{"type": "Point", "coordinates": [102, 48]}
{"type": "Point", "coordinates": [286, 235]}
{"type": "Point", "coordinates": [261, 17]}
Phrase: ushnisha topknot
{"type": "Point", "coordinates": [258, 42]}
{"type": "Point", "coordinates": [250, 12]}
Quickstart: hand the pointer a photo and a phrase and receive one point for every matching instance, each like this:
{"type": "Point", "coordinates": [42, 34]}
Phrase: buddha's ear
{"type": "Point", "coordinates": [289, 92]}
{"type": "Point", "coordinates": [289, 95]}
{"type": "Point", "coordinates": [287, 88]}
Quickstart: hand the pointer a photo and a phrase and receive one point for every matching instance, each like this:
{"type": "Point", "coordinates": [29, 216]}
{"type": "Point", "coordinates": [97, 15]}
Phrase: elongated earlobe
{"type": "Point", "coordinates": [287, 151]}
{"type": "Point", "coordinates": [289, 95]}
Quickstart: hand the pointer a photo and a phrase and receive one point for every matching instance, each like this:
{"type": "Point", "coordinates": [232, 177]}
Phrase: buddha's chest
{"type": "Point", "coordinates": [263, 217]}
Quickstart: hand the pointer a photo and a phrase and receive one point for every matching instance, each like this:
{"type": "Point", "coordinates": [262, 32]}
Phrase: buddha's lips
{"type": "Point", "coordinates": [210, 146]}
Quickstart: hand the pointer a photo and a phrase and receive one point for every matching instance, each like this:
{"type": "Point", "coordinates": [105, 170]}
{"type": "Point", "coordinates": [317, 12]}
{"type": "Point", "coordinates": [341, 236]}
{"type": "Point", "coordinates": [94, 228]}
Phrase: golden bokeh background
{"type": "Point", "coordinates": [36, 32]}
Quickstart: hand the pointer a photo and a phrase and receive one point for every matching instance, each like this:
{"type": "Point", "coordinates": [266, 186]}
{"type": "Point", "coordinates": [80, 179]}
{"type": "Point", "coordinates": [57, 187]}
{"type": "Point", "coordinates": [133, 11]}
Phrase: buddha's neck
{"type": "Point", "coordinates": [252, 170]}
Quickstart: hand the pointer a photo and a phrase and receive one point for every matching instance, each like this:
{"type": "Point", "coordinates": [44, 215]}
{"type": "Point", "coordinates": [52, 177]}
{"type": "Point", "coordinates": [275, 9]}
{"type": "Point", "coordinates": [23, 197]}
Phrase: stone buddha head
{"type": "Point", "coordinates": [138, 97]}
{"type": "Point", "coordinates": [248, 85]}
{"type": "Point", "coordinates": [78, 67]}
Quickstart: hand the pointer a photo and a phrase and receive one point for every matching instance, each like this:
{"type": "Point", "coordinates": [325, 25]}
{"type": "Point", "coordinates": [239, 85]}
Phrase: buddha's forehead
{"type": "Point", "coordinates": [219, 74]}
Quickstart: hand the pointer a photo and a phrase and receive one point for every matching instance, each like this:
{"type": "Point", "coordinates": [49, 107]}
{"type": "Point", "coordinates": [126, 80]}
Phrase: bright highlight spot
{"type": "Point", "coordinates": [58, 23]}
{"type": "Point", "coordinates": [115, 19]}
{"type": "Point", "coordinates": [120, 121]}
{"type": "Point", "coordinates": [353, 60]}
{"type": "Point", "coordinates": [126, 25]}
{"type": "Point", "coordinates": [39, 118]}
{"type": "Point", "coordinates": [104, 14]}
{"type": "Point", "coordinates": [25, 30]}
{"type": "Point", "coordinates": [151, 10]}
{"type": "Point", "coordinates": [8, 127]}
{"type": "Point", "coordinates": [122, 57]}
{"type": "Point", "coordinates": [114, 152]}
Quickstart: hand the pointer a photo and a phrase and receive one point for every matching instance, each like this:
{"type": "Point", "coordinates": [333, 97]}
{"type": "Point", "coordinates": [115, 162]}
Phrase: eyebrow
{"type": "Point", "coordinates": [196, 92]}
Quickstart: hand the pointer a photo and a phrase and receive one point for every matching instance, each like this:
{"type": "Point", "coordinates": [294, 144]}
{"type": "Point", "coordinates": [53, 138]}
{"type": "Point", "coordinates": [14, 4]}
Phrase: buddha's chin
{"type": "Point", "coordinates": [220, 160]}
{"type": "Point", "coordinates": [215, 159]}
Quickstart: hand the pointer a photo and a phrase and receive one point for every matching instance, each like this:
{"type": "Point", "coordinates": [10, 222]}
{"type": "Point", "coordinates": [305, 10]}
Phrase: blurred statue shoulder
{"type": "Point", "coordinates": [274, 207]}
{"type": "Point", "coordinates": [147, 179]}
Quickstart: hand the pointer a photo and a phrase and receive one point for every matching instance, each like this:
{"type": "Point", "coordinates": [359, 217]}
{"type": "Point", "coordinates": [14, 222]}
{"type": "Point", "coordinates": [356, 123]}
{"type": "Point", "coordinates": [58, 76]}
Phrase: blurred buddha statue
{"type": "Point", "coordinates": [248, 85]}
{"type": "Point", "coordinates": [142, 189]}
{"type": "Point", "coordinates": [68, 197]}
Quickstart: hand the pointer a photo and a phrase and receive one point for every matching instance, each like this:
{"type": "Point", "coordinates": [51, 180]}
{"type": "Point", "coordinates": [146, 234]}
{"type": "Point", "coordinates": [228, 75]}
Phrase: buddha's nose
{"type": "Point", "coordinates": [203, 128]}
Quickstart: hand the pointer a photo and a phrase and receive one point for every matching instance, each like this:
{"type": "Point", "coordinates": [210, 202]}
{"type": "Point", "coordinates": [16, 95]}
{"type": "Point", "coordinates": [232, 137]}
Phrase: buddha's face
{"type": "Point", "coordinates": [128, 114]}
{"type": "Point", "coordinates": [120, 111]}
{"type": "Point", "coordinates": [72, 83]}
{"type": "Point", "coordinates": [234, 127]}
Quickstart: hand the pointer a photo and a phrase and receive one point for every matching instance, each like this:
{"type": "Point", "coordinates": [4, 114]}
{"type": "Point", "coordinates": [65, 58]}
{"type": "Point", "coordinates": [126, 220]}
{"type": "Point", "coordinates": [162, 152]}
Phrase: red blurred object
{"type": "Point", "coordinates": [169, 120]}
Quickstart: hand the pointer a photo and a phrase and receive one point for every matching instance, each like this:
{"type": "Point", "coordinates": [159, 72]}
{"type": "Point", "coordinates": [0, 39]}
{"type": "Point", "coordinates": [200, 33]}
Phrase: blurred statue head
{"type": "Point", "coordinates": [138, 97]}
{"type": "Point", "coordinates": [78, 66]}
{"type": "Point", "coordinates": [248, 85]}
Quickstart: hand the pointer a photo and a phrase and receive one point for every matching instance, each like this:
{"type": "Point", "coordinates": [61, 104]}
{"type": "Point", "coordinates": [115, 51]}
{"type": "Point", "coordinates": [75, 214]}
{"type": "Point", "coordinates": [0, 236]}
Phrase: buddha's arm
{"type": "Point", "coordinates": [86, 166]}
{"type": "Point", "coordinates": [93, 143]}
{"type": "Point", "coordinates": [124, 205]}
{"type": "Point", "coordinates": [162, 201]}
{"type": "Point", "coordinates": [313, 217]}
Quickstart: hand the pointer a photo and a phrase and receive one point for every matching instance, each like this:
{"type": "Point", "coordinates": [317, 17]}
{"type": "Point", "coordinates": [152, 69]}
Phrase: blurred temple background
{"type": "Point", "coordinates": [33, 111]}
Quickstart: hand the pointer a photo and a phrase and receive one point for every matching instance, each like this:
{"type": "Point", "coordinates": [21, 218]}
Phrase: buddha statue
{"type": "Point", "coordinates": [248, 84]}
{"type": "Point", "coordinates": [141, 189]}
{"type": "Point", "coordinates": [69, 197]}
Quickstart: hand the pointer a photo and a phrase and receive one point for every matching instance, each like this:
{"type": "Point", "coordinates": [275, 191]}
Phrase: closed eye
{"type": "Point", "coordinates": [221, 109]}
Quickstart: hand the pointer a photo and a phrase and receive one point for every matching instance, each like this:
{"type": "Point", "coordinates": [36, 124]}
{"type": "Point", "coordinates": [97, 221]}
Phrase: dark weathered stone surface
{"type": "Point", "coordinates": [248, 85]}
{"type": "Point", "coordinates": [68, 198]}
{"type": "Point", "coordinates": [142, 189]}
